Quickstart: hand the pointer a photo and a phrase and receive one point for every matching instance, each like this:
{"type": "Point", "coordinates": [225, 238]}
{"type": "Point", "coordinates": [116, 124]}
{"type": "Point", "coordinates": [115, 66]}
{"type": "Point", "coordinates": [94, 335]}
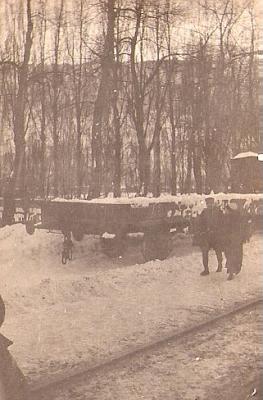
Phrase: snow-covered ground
{"type": "Point", "coordinates": [93, 307]}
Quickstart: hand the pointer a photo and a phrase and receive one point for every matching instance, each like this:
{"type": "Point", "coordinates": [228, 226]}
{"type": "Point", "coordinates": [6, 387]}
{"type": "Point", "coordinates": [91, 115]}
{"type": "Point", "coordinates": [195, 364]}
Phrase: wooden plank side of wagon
{"type": "Point", "coordinates": [90, 218]}
{"type": "Point", "coordinates": [159, 214]}
{"type": "Point", "coordinates": [98, 217]}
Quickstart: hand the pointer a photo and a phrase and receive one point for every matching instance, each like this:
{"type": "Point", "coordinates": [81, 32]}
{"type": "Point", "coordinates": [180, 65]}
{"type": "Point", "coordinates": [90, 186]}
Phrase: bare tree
{"type": "Point", "coordinates": [75, 44]}
{"type": "Point", "coordinates": [101, 104]}
{"type": "Point", "coordinates": [20, 104]}
{"type": "Point", "coordinates": [117, 103]}
{"type": "Point", "coordinates": [43, 99]}
{"type": "Point", "coordinates": [172, 95]}
{"type": "Point", "coordinates": [141, 98]}
{"type": "Point", "coordinates": [55, 90]}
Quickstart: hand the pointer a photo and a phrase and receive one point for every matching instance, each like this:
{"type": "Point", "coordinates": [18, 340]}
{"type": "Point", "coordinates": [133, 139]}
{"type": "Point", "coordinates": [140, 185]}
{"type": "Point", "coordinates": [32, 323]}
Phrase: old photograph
{"type": "Point", "coordinates": [131, 200]}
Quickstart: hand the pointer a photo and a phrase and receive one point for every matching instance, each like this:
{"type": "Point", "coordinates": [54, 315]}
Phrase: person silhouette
{"type": "Point", "coordinates": [13, 384]}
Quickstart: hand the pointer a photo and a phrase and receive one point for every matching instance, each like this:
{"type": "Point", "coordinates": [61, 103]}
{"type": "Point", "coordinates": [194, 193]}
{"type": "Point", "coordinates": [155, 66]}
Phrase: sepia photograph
{"type": "Point", "coordinates": [131, 200]}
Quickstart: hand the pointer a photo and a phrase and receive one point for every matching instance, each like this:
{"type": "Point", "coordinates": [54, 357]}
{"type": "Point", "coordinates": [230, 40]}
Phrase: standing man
{"type": "Point", "coordinates": [235, 234]}
{"type": "Point", "coordinates": [209, 235]}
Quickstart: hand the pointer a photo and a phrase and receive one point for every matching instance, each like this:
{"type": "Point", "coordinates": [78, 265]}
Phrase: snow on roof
{"type": "Point", "coordinates": [245, 155]}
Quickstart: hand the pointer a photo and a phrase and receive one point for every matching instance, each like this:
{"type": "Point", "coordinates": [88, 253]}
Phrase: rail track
{"type": "Point", "coordinates": [46, 388]}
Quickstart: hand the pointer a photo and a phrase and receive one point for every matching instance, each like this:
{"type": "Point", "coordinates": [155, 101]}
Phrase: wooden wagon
{"type": "Point", "coordinates": [112, 221]}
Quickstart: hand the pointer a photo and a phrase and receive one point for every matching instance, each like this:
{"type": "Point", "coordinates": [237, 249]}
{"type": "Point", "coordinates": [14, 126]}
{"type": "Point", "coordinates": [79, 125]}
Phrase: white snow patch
{"type": "Point", "coordinates": [245, 155]}
{"type": "Point", "coordinates": [107, 235]}
{"type": "Point", "coordinates": [184, 199]}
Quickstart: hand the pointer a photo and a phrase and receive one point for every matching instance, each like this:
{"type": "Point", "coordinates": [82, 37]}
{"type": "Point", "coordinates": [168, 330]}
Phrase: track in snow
{"type": "Point", "coordinates": [45, 389]}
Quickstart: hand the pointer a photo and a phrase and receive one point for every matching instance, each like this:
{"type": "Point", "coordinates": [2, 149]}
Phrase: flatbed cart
{"type": "Point", "coordinates": [112, 222]}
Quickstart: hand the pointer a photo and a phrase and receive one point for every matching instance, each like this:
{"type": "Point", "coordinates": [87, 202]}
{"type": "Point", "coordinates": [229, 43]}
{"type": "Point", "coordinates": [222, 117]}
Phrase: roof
{"type": "Point", "coordinates": [245, 155]}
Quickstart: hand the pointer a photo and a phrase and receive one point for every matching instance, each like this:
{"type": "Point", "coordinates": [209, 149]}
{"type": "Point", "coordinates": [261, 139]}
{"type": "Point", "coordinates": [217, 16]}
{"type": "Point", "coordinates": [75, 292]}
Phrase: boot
{"type": "Point", "coordinates": [230, 276]}
{"type": "Point", "coordinates": [205, 272]}
{"type": "Point", "coordinates": [238, 270]}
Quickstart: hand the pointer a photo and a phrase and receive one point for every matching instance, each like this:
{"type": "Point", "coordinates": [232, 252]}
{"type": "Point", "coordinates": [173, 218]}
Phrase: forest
{"type": "Point", "coordinates": [114, 97]}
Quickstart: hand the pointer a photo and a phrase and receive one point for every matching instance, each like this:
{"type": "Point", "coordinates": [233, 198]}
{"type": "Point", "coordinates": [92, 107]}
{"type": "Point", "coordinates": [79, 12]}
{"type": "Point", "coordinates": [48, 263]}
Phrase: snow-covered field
{"type": "Point", "coordinates": [93, 307]}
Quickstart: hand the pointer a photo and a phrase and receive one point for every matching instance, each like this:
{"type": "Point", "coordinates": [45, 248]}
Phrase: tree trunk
{"type": "Point", "coordinates": [55, 147]}
{"type": "Point", "coordinates": [188, 179]}
{"type": "Point", "coordinates": [55, 85]}
{"type": "Point", "coordinates": [157, 133]}
{"type": "Point", "coordinates": [157, 166]}
{"type": "Point", "coordinates": [115, 66]}
{"type": "Point", "coordinates": [78, 103]}
{"type": "Point", "coordinates": [173, 141]}
{"type": "Point", "coordinates": [43, 142]}
{"type": "Point", "coordinates": [79, 151]}
{"type": "Point", "coordinates": [96, 141]}
{"type": "Point", "coordinates": [144, 169]}
{"type": "Point", "coordinates": [117, 154]}
{"type": "Point", "coordinates": [101, 104]}
{"type": "Point", "coordinates": [197, 168]}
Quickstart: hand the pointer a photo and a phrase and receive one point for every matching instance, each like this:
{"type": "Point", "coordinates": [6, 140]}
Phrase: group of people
{"type": "Point", "coordinates": [224, 231]}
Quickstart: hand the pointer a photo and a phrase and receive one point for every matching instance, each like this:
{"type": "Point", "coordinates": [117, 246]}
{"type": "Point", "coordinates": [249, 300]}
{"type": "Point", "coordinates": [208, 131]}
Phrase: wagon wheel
{"type": "Point", "coordinates": [164, 245]}
{"type": "Point", "coordinates": [64, 257]}
{"type": "Point", "coordinates": [30, 227]}
{"type": "Point", "coordinates": [78, 233]}
{"type": "Point", "coordinates": [148, 247]}
{"type": "Point", "coordinates": [156, 245]}
{"type": "Point", "coordinates": [113, 247]}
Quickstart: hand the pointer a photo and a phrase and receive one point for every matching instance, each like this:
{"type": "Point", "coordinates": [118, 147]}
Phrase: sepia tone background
{"type": "Point", "coordinates": [128, 98]}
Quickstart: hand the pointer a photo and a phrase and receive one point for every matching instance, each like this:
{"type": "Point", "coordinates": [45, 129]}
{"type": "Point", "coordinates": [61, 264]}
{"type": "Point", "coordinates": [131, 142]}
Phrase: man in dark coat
{"type": "Point", "coordinates": [210, 235]}
{"type": "Point", "coordinates": [235, 235]}
{"type": "Point", "coordinates": [12, 381]}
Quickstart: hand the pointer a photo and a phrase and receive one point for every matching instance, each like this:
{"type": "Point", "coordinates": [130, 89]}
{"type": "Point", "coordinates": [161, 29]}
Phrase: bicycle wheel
{"type": "Point", "coordinates": [64, 257]}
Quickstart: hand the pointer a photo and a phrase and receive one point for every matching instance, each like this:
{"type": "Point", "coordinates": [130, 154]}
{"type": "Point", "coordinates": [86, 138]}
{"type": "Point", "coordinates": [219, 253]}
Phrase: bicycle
{"type": "Point", "coordinates": [67, 251]}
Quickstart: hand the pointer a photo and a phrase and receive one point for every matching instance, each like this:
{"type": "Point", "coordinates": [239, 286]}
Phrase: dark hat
{"type": "Point", "coordinates": [2, 311]}
{"type": "Point", "coordinates": [209, 200]}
